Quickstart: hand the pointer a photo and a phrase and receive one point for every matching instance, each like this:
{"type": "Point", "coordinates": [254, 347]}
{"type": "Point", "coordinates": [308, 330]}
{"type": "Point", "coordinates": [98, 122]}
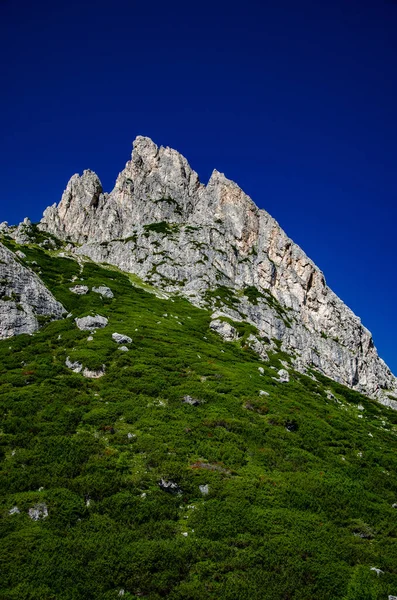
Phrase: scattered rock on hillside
{"type": "Point", "coordinates": [121, 339]}
{"type": "Point", "coordinates": [94, 374]}
{"type": "Point", "coordinates": [79, 289]}
{"type": "Point", "coordinates": [224, 329]}
{"type": "Point", "coordinates": [283, 376]}
{"type": "Point", "coordinates": [169, 486]}
{"type": "Point", "coordinates": [192, 401]}
{"type": "Point", "coordinates": [20, 254]}
{"type": "Point", "coordinates": [377, 571]}
{"type": "Point", "coordinates": [38, 511]}
{"type": "Point", "coordinates": [89, 323]}
{"type": "Point", "coordinates": [123, 348]}
{"type": "Point", "coordinates": [103, 291]}
{"type": "Point", "coordinates": [76, 366]}
{"type": "Point", "coordinates": [257, 346]}
{"type": "Point", "coordinates": [204, 489]}
{"type": "Point", "coordinates": [14, 511]}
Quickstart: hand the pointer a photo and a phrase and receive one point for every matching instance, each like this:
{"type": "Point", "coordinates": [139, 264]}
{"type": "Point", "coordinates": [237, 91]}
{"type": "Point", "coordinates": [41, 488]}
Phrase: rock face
{"type": "Point", "coordinates": [23, 298]}
{"type": "Point", "coordinates": [164, 225]}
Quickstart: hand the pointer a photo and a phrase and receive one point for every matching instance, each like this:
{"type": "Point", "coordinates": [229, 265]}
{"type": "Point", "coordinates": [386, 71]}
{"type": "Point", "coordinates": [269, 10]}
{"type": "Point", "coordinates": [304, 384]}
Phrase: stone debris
{"type": "Point", "coordinates": [80, 290]}
{"type": "Point", "coordinates": [263, 393]}
{"type": "Point", "coordinates": [123, 348]}
{"type": "Point", "coordinates": [121, 339]}
{"type": "Point", "coordinates": [224, 329]}
{"type": "Point", "coordinates": [103, 291]}
{"type": "Point", "coordinates": [38, 511]}
{"type": "Point", "coordinates": [169, 486]}
{"type": "Point", "coordinates": [257, 346]}
{"type": "Point", "coordinates": [91, 323]}
{"type": "Point", "coordinates": [377, 571]}
{"type": "Point", "coordinates": [261, 370]}
{"type": "Point", "coordinates": [283, 376]}
{"type": "Point", "coordinates": [192, 401]}
{"type": "Point", "coordinates": [204, 489]}
{"type": "Point", "coordinates": [76, 366]}
{"type": "Point", "coordinates": [20, 254]}
{"type": "Point", "coordinates": [14, 511]}
{"type": "Point", "coordinates": [94, 374]}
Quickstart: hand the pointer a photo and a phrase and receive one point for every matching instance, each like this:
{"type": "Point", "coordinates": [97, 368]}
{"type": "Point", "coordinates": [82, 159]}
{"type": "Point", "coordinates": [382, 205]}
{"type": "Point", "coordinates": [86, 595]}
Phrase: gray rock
{"type": "Point", "coordinates": [263, 393]}
{"type": "Point", "coordinates": [169, 486]}
{"type": "Point", "coordinates": [283, 376]}
{"type": "Point", "coordinates": [14, 511]}
{"type": "Point", "coordinates": [377, 571]}
{"type": "Point", "coordinates": [94, 374]}
{"type": "Point", "coordinates": [224, 329]}
{"type": "Point", "coordinates": [192, 401]}
{"type": "Point", "coordinates": [123, 348]}
{"type": "Point", "coordinates": [261, 370]}
{"type": "Point", "coordinates": [23, 298]}
{"type": "Point", "coordinates": [23, 233]}
{"type": "Point", "coordinates": [257, 346]}
{"type": "Point", "coordinates": [121, 339]}
{"type": "Point", "coordinates": [20, 254]}
{"type": "Point", "coordinates": [103, 291]}
{"type": "Point", "coordinates": [81, 290]}
{"type": "Point", "coordinates": [38, 511]}
{"type": "Point", "coordinates": [91, 323]}
{"type": "Point", "coordinates": [76, 366]}
{"type": "Point", "coordinates": [216, 236]}
{"type": "Point", "coordinates": [204, 489]}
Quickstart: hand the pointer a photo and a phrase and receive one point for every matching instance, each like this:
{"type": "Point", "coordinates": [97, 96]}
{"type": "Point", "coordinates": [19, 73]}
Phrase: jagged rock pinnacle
{"type": "Point", "coordinates": [161, 223]}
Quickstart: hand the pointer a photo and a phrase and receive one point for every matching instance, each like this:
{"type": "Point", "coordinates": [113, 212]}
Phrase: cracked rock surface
{"type": "Point", "coordinates": [23, 298]}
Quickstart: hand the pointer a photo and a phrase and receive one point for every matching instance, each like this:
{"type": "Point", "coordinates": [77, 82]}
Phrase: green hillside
{"type": "Point", "coordinates": [301, 482]}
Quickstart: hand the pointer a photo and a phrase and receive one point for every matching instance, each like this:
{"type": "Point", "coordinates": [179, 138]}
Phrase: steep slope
{"type": "Point", "coordinates": [161, 223]}
{"type": "Point", "coordinates": [24, 300]}
{"type": "Point", "coordinates": [188, 471]}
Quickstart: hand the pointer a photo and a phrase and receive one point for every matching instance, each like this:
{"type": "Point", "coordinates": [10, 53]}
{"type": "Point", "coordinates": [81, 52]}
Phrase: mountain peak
{"type": "Point", "coordinates": [162, 224]}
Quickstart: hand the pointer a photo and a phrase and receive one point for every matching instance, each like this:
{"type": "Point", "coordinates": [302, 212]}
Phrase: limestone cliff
{"type": "Point", "coordinates": [164, 225]}
{"type": "Point", "coordinates": [23, 297]}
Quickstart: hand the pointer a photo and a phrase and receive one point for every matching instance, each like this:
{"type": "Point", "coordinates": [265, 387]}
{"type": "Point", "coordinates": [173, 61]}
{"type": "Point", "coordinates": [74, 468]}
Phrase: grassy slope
{"type": "Point", "coordinates": [289, 515]}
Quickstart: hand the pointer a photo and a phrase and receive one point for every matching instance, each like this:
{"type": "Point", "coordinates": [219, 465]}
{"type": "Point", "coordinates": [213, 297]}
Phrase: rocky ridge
{"type": "Point", "coordinates": [212, 244]}
{"type": "Point", "coordinates": [23, 297]}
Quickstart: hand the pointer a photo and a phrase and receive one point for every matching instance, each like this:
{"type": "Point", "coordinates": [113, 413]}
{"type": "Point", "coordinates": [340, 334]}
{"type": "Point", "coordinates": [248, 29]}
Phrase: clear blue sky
{"type": "Point", "coordinates": [295, 101]}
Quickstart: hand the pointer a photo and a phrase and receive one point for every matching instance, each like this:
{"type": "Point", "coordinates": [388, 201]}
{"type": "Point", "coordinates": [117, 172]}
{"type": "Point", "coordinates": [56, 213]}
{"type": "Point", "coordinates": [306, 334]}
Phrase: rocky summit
{"type": "Point", "coordinates": [213, 245]}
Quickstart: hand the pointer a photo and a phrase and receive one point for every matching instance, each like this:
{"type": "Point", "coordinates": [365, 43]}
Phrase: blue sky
{"type": "Point", "coordinates": [296, 102]}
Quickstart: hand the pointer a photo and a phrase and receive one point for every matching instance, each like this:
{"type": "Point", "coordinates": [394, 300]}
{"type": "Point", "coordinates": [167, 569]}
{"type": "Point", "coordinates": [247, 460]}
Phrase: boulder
{"type": "Point", "coordinates": [224, 329]}
{"type": "Point", "coordinates": [121, 339]}
{"type": "Point", "coordinates": [79, 289]}
{"type": "Point", "coordinates": [103, 291]}
{"type": "Point", "coordinates": [91, 323]}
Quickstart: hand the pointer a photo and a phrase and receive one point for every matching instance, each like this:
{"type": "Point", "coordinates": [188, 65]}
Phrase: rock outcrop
{"type": "Point", "coordinates": [164, 225]}
{"type": "Point", "coordinates": [24, 299]}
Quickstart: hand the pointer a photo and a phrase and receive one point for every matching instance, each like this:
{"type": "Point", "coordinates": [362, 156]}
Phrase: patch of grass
{"type": "Point", "coordinates": [163, 227]}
